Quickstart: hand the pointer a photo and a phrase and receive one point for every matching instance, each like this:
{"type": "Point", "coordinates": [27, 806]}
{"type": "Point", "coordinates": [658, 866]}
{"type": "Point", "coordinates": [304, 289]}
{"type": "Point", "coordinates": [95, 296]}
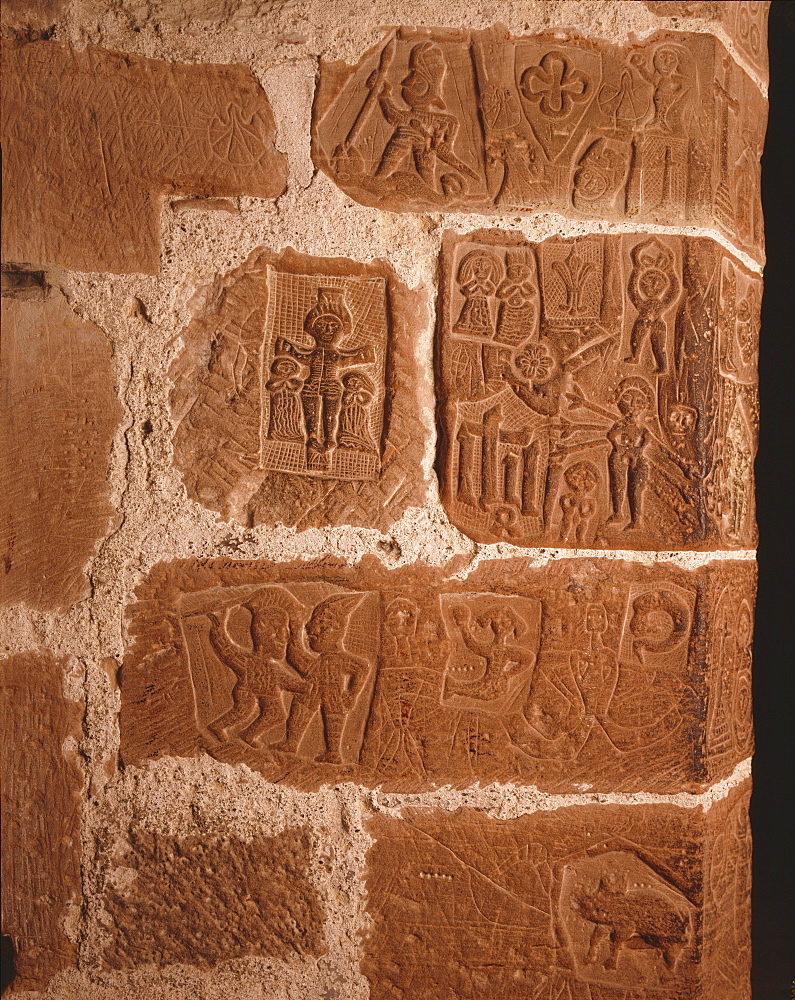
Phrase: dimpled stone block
{"type": "Point", "coordinates": [41, 809]}
{"type": "Point", "coordinates": [667, 131]}
{"type": "Point", "coordinates": [583, 674]}
{"type": "Point", "coordinates": [205, 899]}
{"type": "Point", "coordinates": [297, 396]}
{"type": "Point", "coordinates": [599, 392]}
{"type": "Point", "coordinates": [585, 902]}
{"type": "Point", "coordinates": [93, 139]}
{"type": "Point", "coordinates": [59, 414]}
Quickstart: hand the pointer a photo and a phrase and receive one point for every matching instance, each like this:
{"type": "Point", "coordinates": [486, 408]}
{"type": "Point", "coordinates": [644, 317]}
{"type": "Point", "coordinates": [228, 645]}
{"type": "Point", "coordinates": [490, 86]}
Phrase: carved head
{"type": "Point", "coordinates": [270, 630]}
{"type": "Point", "coordinates": [329, 320]}
{"type": "Point", "coordinates": [666, 60]}
{"type": "Point", "coordinates": [481, 266]}
{"type": "Point", "coordinates": [581, 477]}
{"type": "Point", "coordinates": [502, 622]}
{"type": "Point", "coordinates": [284, 367]}
{"type": "Point", "coordinates": [400, 618]}
{"type": "Point", "coordinates": [354, 381]}
{"type": "Point", "coordinates": [328, 622]}
{"type": "Point", "coordinates": [682, 419]}
{"type": "Point", "coordinates": [422, 86]}
{"type": "Point", "coordinates": [596, 618]}
{"type": "Point", "coordinates": [633, 396]}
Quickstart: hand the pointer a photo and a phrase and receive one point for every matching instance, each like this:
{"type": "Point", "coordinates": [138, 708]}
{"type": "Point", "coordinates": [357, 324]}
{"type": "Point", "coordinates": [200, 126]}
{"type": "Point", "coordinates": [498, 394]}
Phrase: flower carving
{"type": "Point", "coordinates": [555, 86]}
{"type": "Point", "coordinates": [535, 363]}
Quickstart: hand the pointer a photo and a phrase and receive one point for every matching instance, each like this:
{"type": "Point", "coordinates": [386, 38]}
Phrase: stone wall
{"type": "Point", "coordinates": [379, 388]}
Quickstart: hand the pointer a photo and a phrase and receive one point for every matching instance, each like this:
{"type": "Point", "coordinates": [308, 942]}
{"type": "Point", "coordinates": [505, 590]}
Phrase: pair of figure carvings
{"type": "Point", "coordinates": [598, 392]}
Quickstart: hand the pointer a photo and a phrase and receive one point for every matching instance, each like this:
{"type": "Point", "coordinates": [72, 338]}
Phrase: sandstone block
{"type": "Point", "coordinates": [93, 139]}
{"type": "Point", "coordinates": [41, 810]}
{"type": "Point", "coordinates": [599, 392]}
{"type": "Point", "coordinates": [598, 901]}
{"type": "Point", "coordinates": [59, 415]}
{"type": "Point", "coordinates": [669, 131]}
{"type": "Point", "coordinates": [581, 675]}
{"type": "Point", "coordinates": [297, 397]}
{"type": "Point", "coordinates": [204, 900]}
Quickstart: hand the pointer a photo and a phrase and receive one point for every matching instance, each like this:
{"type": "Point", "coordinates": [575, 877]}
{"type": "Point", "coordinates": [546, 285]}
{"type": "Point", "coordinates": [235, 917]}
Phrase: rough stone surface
{"type": "Point", "coordinates": [92, 141]}
{"type": "Point", "coordinates": [202, 901]}
{"type": "Point", "coordinates": [667, 132]}
{"type": "Point", "coordinates": [582, 675]}
{"type": "Point", "coordinates": [59, 415]}
{"type": "Point", "coordinates": [298, 397]}
{"type": "Point", "coordinates": [586, 901]}
{"type": "Point", "coordinates": [41, 807]}
{"type": "Point", "coordinates": [598, 392]}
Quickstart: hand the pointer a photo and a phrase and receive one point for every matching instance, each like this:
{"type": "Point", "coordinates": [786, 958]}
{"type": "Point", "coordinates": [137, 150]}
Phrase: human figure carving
{"type": "Point", "coordinates": [503, 658]}
{"type": "Point", "coordinates": [357, 397]}
{"type": "Point", "coordinates": [333, 677]}
{"type": "Point", "coordinates": [285, 422]}
{"type": "Point", "coordinates": [652, 288]}
{"type": "Point", "coordinates": [596, 667]}
{"type": "Point", "coordinates": [578, 506]}
{"type": "Point", "coordinates": [261, 674]}
{"type": "Point", "coordinates": [626, 463]}
{"type": "Point", "coordinates": [424, 132]}
{"type": "Point", "coordinates": [515, 322]}
{"type": "Point", "coordinates": [329, 324]}
{"type": "Point", "coordinates": [670, 86]}
{"type": "Point", "coordinates": [478, 275]}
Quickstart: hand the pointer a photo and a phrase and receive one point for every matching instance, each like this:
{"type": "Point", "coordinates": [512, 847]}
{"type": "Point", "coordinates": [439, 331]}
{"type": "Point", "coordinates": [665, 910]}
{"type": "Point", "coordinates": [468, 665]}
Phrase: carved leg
{"type": "Point", "coordinates": [333, 725]}
{"type": "Point", "coordinates": [395, 153]}
{"type": "Point", "coordinates": [270, 715]}
{"type": "Point", "coordinates": [297, 724]}
{"type": "Point", "coordinates": [618, 487]}
{"type": "Point", "coordinates": [600, 933]}
{"type": "Point", "coordinates": [245, 706]}
{"type": "Point", "coordinates": [636, 476]}
{"type": "Point", "coordinates": [658, 346]}
{"type": "Point", "coordinates": [636, 339]}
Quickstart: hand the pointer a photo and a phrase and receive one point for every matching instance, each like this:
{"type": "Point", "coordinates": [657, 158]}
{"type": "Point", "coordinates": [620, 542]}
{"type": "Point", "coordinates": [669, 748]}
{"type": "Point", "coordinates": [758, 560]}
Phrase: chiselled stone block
{"type": "Point", "coordinates": [745, 21]}
{"type": "Point", "coordinates": [203, 900]}
{"type": "Point", "coordinates": [297, 396]}
{"type": "Point", "coordinates": [599, 392]}
{"type": "Point", "coordinates": [41, 808]}
{"type": "Point", "coordinates": [669, 131]}
{"type": "Point", "coordinates": [584, 674]}
{"type": "Point", "coordinates": [93, 139]}
{"type": "Point", "coordinates": [600, 901]}
{"type": "Point", "coordinates": [59, 415]}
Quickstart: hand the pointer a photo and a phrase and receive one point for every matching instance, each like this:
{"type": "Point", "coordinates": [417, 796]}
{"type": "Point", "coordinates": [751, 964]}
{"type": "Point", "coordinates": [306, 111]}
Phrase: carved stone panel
{"type": "Point", "coordinates": [41, 807]}
{"type": "Point", "coordinates": [206, 900]}
{"type": "Point", "coordinates": [297, 396]}
{"type": "Point", "coordinates": [59, 415]}
{"type": "Point", "coordinates": [599, 902]}
{"type": "Point", "coordinates": [86, 192]}
{"type": "Point", "coordinates": [669, 131]}
{"type": "Point", "coordinates": [580, 675]}
{"type": "Point", "coordinates": [599, 392]}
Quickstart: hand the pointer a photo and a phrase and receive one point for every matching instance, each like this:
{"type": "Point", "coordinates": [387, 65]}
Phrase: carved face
{"type": "Point", "coordinates": [666, 61]}
{"type": "Point", "coordinates": [270, 632]}
{"type": "Point", "coordinates": [284, 367]}
{"type": "Point", "coordinates": [401, 618]}
{"type": "Point", "coordinates": [653, 283]}
{"type": "Point", "coordinates": [632, 402]}
{"type": "Point", "coordinates": [596, 619]}
{"type": "Point", "coordinates": [323, 630]}
{"type": "Point", "coordinates": [502, 621]}
{"type": "Point", "coordinates": [581, 477]}
{"type": "Point", "coordinates": [682, 419]}
{"type": "Point", "coordinates": [326, 329]}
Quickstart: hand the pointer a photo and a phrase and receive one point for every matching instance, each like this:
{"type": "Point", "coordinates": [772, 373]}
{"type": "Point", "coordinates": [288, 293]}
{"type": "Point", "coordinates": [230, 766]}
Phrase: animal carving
{"type": "Point", "coordinates": [632, 917]}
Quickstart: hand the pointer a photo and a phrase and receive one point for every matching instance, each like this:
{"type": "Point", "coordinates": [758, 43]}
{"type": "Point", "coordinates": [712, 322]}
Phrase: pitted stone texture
{"type": "Point", "coordinates": [582, 675]}
{"type": "Point", "coordinates": [41, 808]}
{"type": "Point", "coordinates": [93, 139]}
{"type": "Point", "coordinates": [745, 21]}
{"type": "Point", "coordinates": [601, 901]}
{"type": "Point", "coordinates": [599, 392]}
{"type": "Point", "coordinates": [298, 397]}
{"type": "Point", "coordinates": [60, 412]}
{"type": "Point", "coordinates": [205, 900]}
{"type": "Point", "coordinates": [669, 131]}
